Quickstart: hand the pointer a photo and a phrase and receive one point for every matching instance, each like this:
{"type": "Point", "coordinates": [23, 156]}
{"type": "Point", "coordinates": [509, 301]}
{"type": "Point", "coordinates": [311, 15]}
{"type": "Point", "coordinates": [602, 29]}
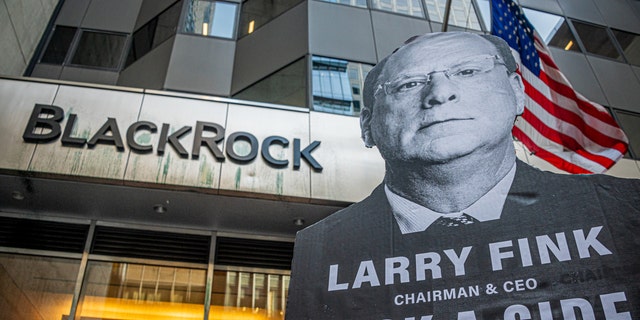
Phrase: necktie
{"type": "Point", "coordinates": [462, 220]}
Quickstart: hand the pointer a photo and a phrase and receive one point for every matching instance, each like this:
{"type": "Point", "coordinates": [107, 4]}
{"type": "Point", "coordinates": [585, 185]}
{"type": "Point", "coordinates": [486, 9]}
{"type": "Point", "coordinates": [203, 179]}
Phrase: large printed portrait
{"type": "Point", "coordinates": [459, 228]}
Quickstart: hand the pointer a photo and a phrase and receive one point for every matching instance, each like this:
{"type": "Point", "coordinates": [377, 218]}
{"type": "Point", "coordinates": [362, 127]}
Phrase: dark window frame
{"type": "Point", "coordinates": [236, 21]}
{"type": "Point", "coordinates": [239, 25]}
{"type": "Point", "coordinates": [153, 43]}
{"type": "Point", "coordinates": [74, 44]}
{"type": "Point", "coordinates": [70, 46]}
{"type": "Point", "coordinates": [312, 98]}
{"type": "Point", "coordinates": [577, 46]}
{"type": "Point", "coordinates": [305, 59]}
{"type": "Point", "coordinates": [631, 153]}
{"type": "Point", "coordinates": [620, 48]}
{"type": "Point", "coordinates": [583, 48]}
{"type": "Point", "coordinates": [74, 50]}
{"type": "Point", "coordinates": [476, 10]}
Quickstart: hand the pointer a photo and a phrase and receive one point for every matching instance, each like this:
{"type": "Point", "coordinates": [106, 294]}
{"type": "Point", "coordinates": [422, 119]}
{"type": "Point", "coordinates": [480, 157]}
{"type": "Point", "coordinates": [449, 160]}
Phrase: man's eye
{"type": "Point", "coordinates": [468, 72]}
{"type": "Point", "coordinates": [405, 86]}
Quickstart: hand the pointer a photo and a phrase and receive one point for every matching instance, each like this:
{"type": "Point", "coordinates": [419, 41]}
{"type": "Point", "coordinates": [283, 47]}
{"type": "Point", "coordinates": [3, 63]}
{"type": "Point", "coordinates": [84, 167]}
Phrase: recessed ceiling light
{"type": "Point", "coordinates": [159, 208]}
{"type": "Point", "coordinates": [17, 195]}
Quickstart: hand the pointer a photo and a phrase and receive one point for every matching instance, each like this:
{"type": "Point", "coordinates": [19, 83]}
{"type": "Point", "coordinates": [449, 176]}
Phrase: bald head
{"type": "Point", "coordinates": [373, 79]}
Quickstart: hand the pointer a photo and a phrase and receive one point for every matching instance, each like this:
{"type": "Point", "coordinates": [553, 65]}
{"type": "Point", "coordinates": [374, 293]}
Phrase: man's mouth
{"type": "Point", "coordinates": [437, 122]}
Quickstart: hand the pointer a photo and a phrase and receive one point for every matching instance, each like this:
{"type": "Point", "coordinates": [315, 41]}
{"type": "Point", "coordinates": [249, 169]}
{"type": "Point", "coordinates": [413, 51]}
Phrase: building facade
{"type": "Point", "coordinates": [158, 156]}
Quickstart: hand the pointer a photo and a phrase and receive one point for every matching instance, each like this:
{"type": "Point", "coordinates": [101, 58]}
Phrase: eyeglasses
{"type": "Point", "coordinates": [408, 84]}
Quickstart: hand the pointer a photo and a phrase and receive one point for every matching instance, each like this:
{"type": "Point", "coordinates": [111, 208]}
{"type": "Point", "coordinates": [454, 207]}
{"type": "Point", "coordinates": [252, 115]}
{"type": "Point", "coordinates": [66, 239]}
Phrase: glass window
{"type": "Point", "coordinates": [563, 38]}
{"type": "Point", "coordinates": [256, 13]}
{"type": "Point", "coordinates": [553, 29]}
{"type": "Point", "coordinates": [236, 295]}
{"type": "Point", "coordinates": [596, 40]}
{"type": "Point", "coordinates": [113, 290]}
{"type": "Point", "coordinates": [408, 7]}
{"type": "Point", "coordinates": [286, 86]}
{"type": "Point", "coordinates": [353, 3]}
{"type": "Point", "coordinates": [545, 23]}
{"type": "Point", "coordinates": [36, 287]}
{"type": "Point", "coordinates": [336, 85]}
{"type": "Point", "coordinates": [630, 44]}
{"type": "Point", "coordinates": [142, 42]}
{"type": "Point", "coordinates": [59, 45]}
{"type": "Point", "coordinates": [154, 32]}
{"type": "Point", "coordinates": [98, 49]}
{"type": "Point", "coordinates": [462, 14]}
{"type": "Point", "coordinates": [167, 24]}
{"type": "Point", "coordinates": [211, 18]}
{"type": "Point", "coordinates": [630, 123]}
{"type": "Point", "coordinates": [484, 9]}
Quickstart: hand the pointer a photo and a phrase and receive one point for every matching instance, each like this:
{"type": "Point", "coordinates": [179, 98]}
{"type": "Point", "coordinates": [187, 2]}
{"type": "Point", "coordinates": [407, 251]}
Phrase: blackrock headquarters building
{"type": "Point", "coordinates": [158, 156]}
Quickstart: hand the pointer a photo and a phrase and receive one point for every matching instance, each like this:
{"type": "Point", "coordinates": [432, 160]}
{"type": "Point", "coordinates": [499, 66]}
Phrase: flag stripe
{"type": "Point", "coordinates": [550, 157]}
{"type": "Point", "coordinates": [570, 120]}
{"type": "Point", "coordinates": [558, 82]}
{"type": "Point", "coordinates": [572, 105]}
{"type": "Point", "coordinates": [564, 139]}
{"type": "Point", "coordinates": [540, 142]}
{"type": "Point", "coordinates": [602, 119]}
{"type": "Point", "coordinates": [572, 132]}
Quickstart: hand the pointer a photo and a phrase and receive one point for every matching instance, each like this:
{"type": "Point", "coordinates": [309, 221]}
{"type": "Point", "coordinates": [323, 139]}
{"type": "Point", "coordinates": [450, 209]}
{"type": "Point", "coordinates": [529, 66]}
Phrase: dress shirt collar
{"type": "Point", "coordinates": [412, 217]}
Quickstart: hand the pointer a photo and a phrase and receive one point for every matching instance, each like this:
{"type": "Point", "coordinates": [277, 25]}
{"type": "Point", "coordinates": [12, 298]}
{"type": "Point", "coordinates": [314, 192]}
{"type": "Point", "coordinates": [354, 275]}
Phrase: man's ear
{"type": "Point", "coordinates": [518, 90]}
{"type": "Point", "coordinates": [365, 127]}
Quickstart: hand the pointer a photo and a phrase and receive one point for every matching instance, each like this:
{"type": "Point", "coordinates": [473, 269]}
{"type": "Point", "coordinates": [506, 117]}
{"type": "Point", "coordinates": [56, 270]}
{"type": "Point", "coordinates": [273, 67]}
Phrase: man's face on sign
{"type": "Point", "coordinates": [442, 98]}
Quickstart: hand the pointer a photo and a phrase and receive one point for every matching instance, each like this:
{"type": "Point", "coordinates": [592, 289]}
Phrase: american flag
{"type": "Point", "coordinates": [558, 125]}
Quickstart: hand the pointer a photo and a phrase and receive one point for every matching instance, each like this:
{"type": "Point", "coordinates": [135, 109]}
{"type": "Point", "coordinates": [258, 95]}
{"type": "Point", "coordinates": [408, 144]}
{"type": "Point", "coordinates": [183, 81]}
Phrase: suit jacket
{"type": "Point", "coordinates": [564, 246]}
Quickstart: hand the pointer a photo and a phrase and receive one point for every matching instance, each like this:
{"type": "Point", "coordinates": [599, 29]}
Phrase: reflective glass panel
{"type": "Point", "coordinates": [59, 44]}
{"type": "Point", "coordinates": [97, 49]}
{"type": "Point", "coordinates": [113, 290]}
{"type": "Point", "coordinates": [354, 3]}
{"type": "Point", "coordinates": [408, 7]}
{"type": "Point", "coordinates": [596, 40]}
{"type": "Point", "coordinates": [553, 29]}
{"type": "Point", "coordinates": [142, 42]}
{"type": "Point", "coordinates": [167, 24]}
{"type": "Point", "coordinates": [154, 32]}
{"type": "Point", "coordinates": [484, 9]}
{"type": "Point", "coordinates": [286, 86]}
{"type": "Point", "coordinates": [564, 38]}
{"type": "Point", "coordinates": [36, 287]}
{"type": "Point", "coordinates": [256, 13]}
{"type": "Point", "coordinates": [462, 14]}
{"type": "Point", "coordinates": [248, 295]}
{"type": "Point", "coordinates": [211, 18]}
{"type": "Point", "coordinates": [630, 44]}
{"type": "Point", "coordinates": [337, 85]}
{"type": "Point", "coordinates": [630, 123]}
{"type": "Point", "coordinates": [545, 23]}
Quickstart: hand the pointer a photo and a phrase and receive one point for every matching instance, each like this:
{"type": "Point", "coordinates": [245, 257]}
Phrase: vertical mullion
{"type": "Point", "coordinates": [81, 271]}
{"type": "Point", "coordinates": [209, 282]}
{"type": "Point", "coordinates": [253, 290]}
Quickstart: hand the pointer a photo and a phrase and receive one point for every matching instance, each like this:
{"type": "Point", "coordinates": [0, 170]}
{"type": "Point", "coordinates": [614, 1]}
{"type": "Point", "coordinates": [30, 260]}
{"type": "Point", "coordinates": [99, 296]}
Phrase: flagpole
{"type": "Point", "coordinates": [447, 10]}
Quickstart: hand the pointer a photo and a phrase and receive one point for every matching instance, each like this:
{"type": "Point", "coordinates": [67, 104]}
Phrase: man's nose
{"type": "Point", "coordinates": [441, 91]}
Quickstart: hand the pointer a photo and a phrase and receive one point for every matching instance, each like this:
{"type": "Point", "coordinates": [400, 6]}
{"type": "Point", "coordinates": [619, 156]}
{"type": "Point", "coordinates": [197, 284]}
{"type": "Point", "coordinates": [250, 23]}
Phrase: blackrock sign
{"type": "Point", "coordinates": [44, 126]}
{"type": "Point", "coordinates": [169, 140]}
